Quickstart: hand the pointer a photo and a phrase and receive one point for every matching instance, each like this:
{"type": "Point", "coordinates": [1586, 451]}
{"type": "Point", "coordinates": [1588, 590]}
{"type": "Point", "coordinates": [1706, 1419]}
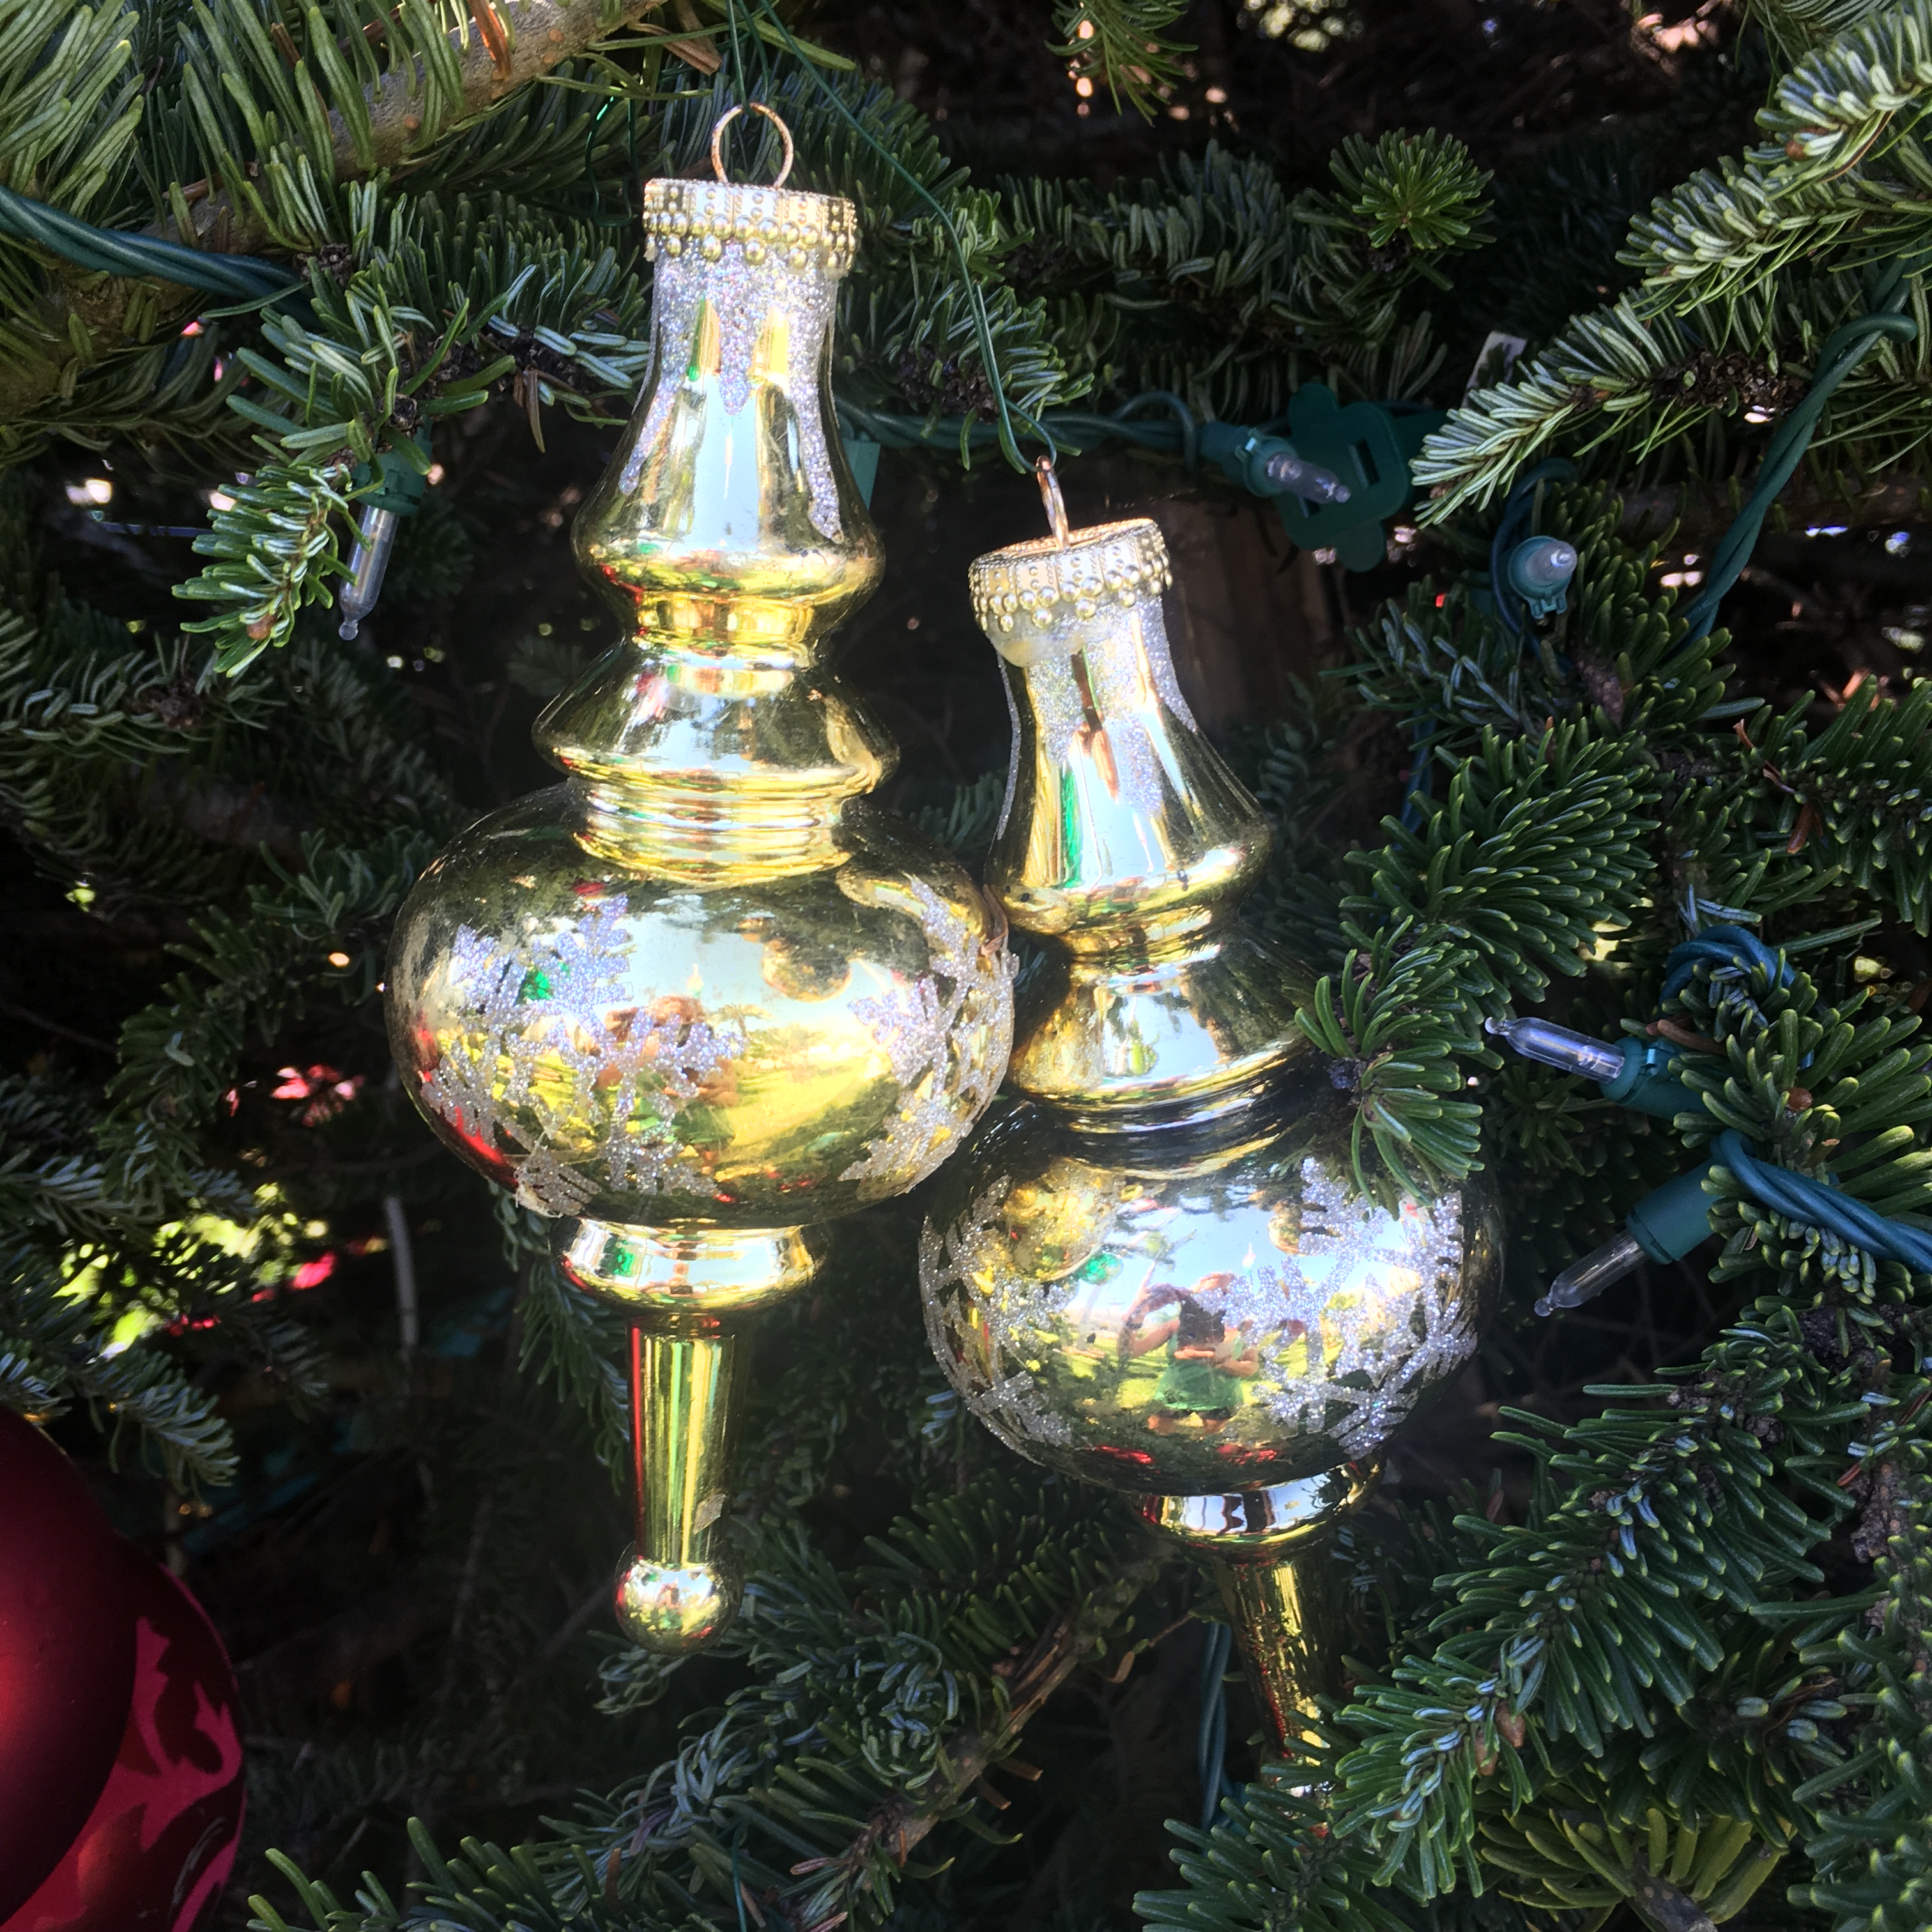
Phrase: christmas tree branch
{"type": "Point", "coordinates": [904, 1822]}
{"type": "Point", "coordinates": [405, 110]}
{"type": "Point", "coordinates": [394, 117]}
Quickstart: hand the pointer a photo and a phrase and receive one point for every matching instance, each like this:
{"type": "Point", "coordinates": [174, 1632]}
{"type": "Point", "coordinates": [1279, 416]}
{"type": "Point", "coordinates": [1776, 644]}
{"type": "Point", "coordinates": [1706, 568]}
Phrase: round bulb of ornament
{"type": "Point", "coordinates": [673, 1608]}
{"type": "Point", "coordinates": [156, 1849]}
{"type": "Point", "coordinates": [122, 1786]}
{"type": "Point", "coordinates": [1220, 1318]}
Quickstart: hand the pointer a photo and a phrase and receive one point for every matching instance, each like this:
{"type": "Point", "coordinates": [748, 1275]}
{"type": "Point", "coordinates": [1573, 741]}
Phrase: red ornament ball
{"type": "Point", "coordinates": [66, 1656]}
{"type": "Point", "coordinates": [153, 1850]}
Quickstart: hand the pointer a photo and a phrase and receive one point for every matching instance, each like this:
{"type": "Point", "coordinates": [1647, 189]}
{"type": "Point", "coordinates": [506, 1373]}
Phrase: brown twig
{"type": "Point", "coordinates": [494, 38]}
{"type": "Point", "coordinates": [701, 55]}
{"type": "Point", "coordinates": [1679, 1034]}
{"type": "Point", "coordinates": [900, 1824]}
{"type": "Point", "coordinates": [1808, 822]}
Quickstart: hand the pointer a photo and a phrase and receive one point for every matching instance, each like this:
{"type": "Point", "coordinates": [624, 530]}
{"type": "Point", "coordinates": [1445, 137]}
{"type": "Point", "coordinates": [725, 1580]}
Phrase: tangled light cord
{"type": "Point", "coordinates": [1644, 1075]}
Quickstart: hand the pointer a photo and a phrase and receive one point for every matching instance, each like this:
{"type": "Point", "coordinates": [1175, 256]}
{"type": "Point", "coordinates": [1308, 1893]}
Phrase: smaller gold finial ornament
{"type": "Point", "coordinates": [702, 998]}
{"type": "Point", "coordinates": [1156, 1269]}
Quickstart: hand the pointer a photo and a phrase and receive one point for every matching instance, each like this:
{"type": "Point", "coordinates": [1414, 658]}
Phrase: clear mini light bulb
{"type": "Point", "coordinates": [1268, 465]}
{"type": "Point", "coordinates": [368, 564]}
{"type": "Point", "coordinates": [1559, 1047]}
{"type": "Point", "coordinates": [1308, 481]}
{"type": "Point", "coordinates": [1639, 1074]}
{"type": "Point", "coordinates": [1584, 1280]}
{"type": "Point", "coordinates": [1664, 1226]}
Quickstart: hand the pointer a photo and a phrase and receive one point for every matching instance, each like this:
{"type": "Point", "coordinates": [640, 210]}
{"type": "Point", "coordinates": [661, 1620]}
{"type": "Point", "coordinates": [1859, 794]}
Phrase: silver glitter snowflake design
{"type": "Point", "coordinates": [948, 1265]}
{"type": "Point", "coordinates": [947, 1036]}
{"type": "Point", "coordinates": [1013, 1400]}
{"type": "Point", "coordinates": [557, 1006]}
{"type": "Point", "coordinates": [1347, 1332]}
{"type": "Point", "coordinates": [744, 298]}
{"type": "Point", "coordinates": [1122, 695]}
{"type": "Point", "coordinates": [548, 1186]}
{"type": "Point", "coordinates": [1384, 1286]}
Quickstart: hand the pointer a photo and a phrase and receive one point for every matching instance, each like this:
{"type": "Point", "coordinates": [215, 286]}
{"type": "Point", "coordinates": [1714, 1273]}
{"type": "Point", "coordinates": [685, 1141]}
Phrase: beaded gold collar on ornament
{"type": "Point", "coordinates": [1044, 582]}
{"type": "Point", "coordinates": [795, 229]}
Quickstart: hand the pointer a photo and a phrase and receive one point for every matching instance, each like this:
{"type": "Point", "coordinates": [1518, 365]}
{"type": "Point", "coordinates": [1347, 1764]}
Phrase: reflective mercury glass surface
{"type": "Point", "coordinates": [635, 1048]}
{"type": "Point", "coordinates": [1202, 1312]}
{"type": "Point", "coordinates": [702, 997]}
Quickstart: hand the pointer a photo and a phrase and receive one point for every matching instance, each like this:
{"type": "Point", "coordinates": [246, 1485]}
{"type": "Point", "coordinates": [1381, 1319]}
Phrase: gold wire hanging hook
{"type": "Point", "coordinates": [731, 114]}
{"type": "Point", "coordinates": [1049, 495]}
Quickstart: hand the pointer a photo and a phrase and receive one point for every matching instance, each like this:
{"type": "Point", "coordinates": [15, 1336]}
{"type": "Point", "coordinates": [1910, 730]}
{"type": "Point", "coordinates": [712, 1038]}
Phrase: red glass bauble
{"type": "Point", "coordinates": [66, 1656]}
{"type": "Point", "coordinates": [159, 1843]}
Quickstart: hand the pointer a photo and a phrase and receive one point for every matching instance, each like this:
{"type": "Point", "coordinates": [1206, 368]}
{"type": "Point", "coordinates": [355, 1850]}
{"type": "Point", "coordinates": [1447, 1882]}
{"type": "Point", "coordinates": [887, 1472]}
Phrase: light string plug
{"type": "Point", "coordinates": [1255, 458]}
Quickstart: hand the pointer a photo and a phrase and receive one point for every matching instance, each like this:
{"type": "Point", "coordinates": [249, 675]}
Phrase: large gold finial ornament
{"type": "Point", "coordinates": [702, 998]}
{"type": "Point", "coordinates": [1156, 1271]}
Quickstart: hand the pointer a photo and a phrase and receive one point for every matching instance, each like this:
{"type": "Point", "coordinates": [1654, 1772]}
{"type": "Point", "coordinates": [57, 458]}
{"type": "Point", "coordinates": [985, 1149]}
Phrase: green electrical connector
{"type": "Point", "coordinates": [1649, 1082]}
{"type": "Point", "coordinates": [1539, 570]}
{"type": "Point", "coordinates": [1368, 448]}
{"type": "Point", "coordinates": [1663, 1226]}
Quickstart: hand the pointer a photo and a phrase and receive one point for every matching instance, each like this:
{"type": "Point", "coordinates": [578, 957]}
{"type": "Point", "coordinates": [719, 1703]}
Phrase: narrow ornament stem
{"type": "Point", "coordinates": [678, 1590]}
{"type": "Point", "coordinates": [1286, 1610]}
{"type": "Point", "coordinates": [1272, 1554]}
{"type": "Point", "coordinates": [688, 1294]}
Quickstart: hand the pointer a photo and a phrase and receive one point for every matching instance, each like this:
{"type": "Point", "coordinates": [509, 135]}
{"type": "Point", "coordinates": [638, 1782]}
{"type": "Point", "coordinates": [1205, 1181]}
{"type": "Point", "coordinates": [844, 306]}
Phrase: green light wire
{"type": "Point", "coordinates": [114, 252]}
{"type": "Point", "coordinates": [1009, 440]}
{"type": "Point", "coordinates": [1843, 351]}
{"type": "Point", "coordinates": [250, 279]}
{"type": "Point", "coordinates": [893, 429]}
{"type": "Point", "coordinates": [735, 39]}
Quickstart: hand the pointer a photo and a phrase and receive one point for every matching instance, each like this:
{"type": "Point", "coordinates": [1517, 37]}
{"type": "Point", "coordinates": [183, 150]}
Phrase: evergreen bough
{"type": "Point", "coordinates": [1641, 1695]}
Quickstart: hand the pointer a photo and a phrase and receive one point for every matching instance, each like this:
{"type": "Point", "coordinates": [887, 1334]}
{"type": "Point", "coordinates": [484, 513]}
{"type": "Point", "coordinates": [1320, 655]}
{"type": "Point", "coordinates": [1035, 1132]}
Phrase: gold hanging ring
{"type": "Point", "coordinates": [731, 114]}
{"type": "Point", "coordinates": [1049, 495]}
